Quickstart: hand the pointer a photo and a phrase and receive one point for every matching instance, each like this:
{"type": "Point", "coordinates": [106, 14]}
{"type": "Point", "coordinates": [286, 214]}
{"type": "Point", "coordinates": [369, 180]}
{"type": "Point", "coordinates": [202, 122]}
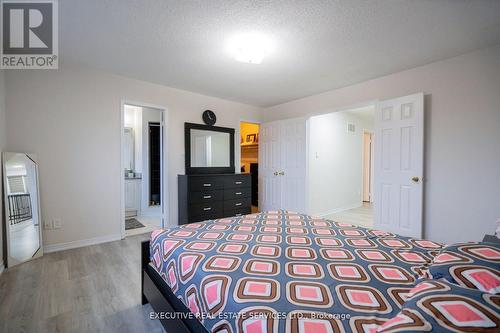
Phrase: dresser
{"type": "Point", "coordinates": [206, 197]}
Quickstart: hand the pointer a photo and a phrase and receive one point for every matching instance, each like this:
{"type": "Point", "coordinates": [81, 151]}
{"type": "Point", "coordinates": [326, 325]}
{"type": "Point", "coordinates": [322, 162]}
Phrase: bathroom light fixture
{"type": "Point", "coordinates": [250, 47]}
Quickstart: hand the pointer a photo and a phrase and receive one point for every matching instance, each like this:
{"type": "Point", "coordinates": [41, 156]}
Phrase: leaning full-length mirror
{"type": "Point", "coordinates": [22, 209]}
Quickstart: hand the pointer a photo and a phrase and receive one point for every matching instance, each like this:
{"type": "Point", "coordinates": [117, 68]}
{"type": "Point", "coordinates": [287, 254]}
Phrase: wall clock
{"type": "Point", "coordinates": [209, 117]}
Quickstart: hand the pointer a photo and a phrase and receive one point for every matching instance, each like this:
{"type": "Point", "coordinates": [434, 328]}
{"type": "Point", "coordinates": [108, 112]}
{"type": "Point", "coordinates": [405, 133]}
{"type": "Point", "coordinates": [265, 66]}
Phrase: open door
{"type": "Point", "coordinates": [282, 165]}
{"type": "Point", "coordinates": [399, 160]}
{"type": "Point", "coordinates": [270, 163]}
{"type": "Point", "coordinates": [163, 171]}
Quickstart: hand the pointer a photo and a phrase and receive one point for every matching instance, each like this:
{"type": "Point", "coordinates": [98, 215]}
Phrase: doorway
{"type": "Point", "coordinates": [249, 145]}
{"type": "Point", "coordinates": [340, 165]}
{"type": "Point", "coordinates": [143, 167]}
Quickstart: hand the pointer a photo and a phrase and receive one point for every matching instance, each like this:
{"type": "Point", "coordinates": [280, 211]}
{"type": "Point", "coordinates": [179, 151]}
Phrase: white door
{"type": "Point", "coordinates": [269, 165]}
{"type": "Point", "coordinates": [399, 159]}
{"type": "Point", "coordinates": [282, 165]}
{"type": "Point", "coordinates": [293, 164]}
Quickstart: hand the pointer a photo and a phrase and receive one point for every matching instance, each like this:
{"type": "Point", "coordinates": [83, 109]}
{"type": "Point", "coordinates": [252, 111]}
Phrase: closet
{"type": "Point", "coordinates": [282, 165]}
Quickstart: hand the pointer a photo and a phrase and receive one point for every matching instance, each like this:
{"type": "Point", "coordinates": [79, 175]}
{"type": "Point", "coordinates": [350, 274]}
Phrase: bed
{"type": "Point", "coordinates": [281, 271]}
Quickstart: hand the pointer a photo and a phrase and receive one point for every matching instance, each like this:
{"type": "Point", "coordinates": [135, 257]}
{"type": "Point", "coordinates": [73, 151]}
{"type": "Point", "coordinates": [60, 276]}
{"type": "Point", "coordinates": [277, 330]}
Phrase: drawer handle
{"type": "Point", "coordinates": [238, 193]}
{"type": "Point", "coordinates": [238, 183]}
{"type": "Point", "coordinates": [207, 197]}
{"type": "Point", "coordinates": [239, 214]}
{"type": "Point", "coordinates": [238, 204]}
{"type": "Point", "coordinates": [207, 208]}
{"type": "Point", "coordinates": [207, 185]}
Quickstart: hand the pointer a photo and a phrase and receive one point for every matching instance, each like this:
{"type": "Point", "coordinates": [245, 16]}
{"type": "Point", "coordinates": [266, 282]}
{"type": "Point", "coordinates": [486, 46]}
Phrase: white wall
{"type": "Point", "coordinates": [71, 119]}
{"type": "Point", "coordinates": [335, 162]}
{"type": "Point", "coordinates": [2, 148]}
{"type": "Point", "coordinates": [462, 109]}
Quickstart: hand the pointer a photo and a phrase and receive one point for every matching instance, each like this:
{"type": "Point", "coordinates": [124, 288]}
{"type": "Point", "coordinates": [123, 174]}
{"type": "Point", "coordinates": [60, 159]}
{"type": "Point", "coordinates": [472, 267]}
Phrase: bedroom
{"type": "Point", "coordinates": [180, 57]}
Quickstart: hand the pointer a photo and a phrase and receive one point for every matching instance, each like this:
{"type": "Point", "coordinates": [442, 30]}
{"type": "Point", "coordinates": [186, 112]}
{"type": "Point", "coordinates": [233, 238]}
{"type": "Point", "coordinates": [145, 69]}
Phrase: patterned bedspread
{"type": "Point", "coordinates": [287, 272]}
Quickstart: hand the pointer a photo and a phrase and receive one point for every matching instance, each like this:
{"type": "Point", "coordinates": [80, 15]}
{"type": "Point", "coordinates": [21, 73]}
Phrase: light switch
{"type": "Point", "coordinates": [57, 223]}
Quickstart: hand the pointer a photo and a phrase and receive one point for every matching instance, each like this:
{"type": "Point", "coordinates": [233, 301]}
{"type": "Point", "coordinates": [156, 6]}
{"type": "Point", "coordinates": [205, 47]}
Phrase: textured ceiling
{"type": "Point", "coordinates": [319, 45]}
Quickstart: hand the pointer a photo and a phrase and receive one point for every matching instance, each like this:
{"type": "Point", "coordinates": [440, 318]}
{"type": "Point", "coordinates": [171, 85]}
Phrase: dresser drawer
{"type": "Point", "coordinates": [204, 217]}
{"type": "Point", "coordinates": [213, 196]}
{"type": "Point", "coordinates": [237, 212]}
{"type": "Point", "coordinates": [206, 196]}
{"type": "Point", "coordinates": [206, 208]}
{"type": "Point", "coordinates": [237, 181]}
{"type": "Point", "coordinates": [237, 204]}
{"type": "Point", "coordinates": [205, 183]}
{"type": "Point", "coordinates": [237, 193]}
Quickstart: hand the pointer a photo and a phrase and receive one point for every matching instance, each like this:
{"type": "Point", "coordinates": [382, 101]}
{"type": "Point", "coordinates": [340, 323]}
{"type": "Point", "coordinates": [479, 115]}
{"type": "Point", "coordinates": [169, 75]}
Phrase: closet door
{"type": "Point", "coordinates": [269, 164]}
{"type": "Point", "coordinates": [282, 165]}
{"type": "Point", "coordinates": [293, 164]}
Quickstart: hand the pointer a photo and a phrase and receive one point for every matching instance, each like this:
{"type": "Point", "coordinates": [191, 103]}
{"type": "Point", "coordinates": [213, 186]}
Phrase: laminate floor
{"type": "Point", "coordinates": [91, 289]}
{"type": "Point", "coordinates": [362, 215]}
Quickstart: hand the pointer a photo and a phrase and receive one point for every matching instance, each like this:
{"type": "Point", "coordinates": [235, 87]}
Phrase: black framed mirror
{"type": "Point", "coordinates": [208, 149]}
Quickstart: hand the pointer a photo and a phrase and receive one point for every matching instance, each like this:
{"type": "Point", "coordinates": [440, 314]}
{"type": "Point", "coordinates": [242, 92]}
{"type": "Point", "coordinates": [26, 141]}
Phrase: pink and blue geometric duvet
{"type": "Point", "coordinates": [287, 272]}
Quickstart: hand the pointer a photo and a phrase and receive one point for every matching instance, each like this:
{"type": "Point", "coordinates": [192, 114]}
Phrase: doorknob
{"type": "Point", "coordinates": [282, 173]}
{"type": "Point", "coordinates": [276, 173]}
{"type": "Point", "coordinates": [415, 179]}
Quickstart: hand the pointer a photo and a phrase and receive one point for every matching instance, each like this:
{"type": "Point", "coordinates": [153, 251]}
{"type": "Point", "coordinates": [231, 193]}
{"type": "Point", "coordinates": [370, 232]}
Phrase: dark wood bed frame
{"type": "Point", "coordinates": [156, 292]}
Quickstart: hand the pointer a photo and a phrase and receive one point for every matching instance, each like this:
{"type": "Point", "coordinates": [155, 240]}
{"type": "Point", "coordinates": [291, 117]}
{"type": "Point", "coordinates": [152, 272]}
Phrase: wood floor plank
{"type": "Point", "coordinates": [362, 216]}
{"type": "Point", "coordinates": [90, 289]}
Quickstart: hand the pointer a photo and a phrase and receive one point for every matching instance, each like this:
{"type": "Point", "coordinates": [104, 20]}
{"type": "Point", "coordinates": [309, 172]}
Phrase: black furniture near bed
{"type": "Point", "coordinates": [172, 313]}
{"type": "Point", "coordinates": [207, 197]}
{"type": "Point", "coordinates": [210, 189]}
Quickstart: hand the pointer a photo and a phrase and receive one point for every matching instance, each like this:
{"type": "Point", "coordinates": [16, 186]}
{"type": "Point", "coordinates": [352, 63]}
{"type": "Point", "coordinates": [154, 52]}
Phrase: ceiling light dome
{"type": "Point", "coordinates": [250, 47]}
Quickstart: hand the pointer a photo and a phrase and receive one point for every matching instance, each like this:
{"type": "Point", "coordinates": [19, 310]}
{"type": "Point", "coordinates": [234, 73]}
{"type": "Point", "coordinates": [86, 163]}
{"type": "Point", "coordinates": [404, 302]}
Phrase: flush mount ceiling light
{"type": "Point", "coordinates": [250, 47]}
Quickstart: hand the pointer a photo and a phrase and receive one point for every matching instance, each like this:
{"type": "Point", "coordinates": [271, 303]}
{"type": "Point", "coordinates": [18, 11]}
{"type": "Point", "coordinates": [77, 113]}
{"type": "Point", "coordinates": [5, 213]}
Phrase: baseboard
{"type": "Point", "coordinates": [80, 243]}
{"type": "Point", "coordinates": [338, 210]}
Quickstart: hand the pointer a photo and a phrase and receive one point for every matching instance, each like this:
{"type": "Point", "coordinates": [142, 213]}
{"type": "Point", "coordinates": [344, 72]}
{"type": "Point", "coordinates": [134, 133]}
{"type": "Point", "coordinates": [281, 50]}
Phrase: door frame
{"type": "Point", "coordinates": [165, 202]}
{"type": "Point", "coordinates": [372, 160]}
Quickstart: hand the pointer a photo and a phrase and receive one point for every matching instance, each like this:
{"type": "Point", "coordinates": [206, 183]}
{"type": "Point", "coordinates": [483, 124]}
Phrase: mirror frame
{"type": "Point", "coordinates": [187, 150]}
{"type": "Point", "coordinates": [11, 261]}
